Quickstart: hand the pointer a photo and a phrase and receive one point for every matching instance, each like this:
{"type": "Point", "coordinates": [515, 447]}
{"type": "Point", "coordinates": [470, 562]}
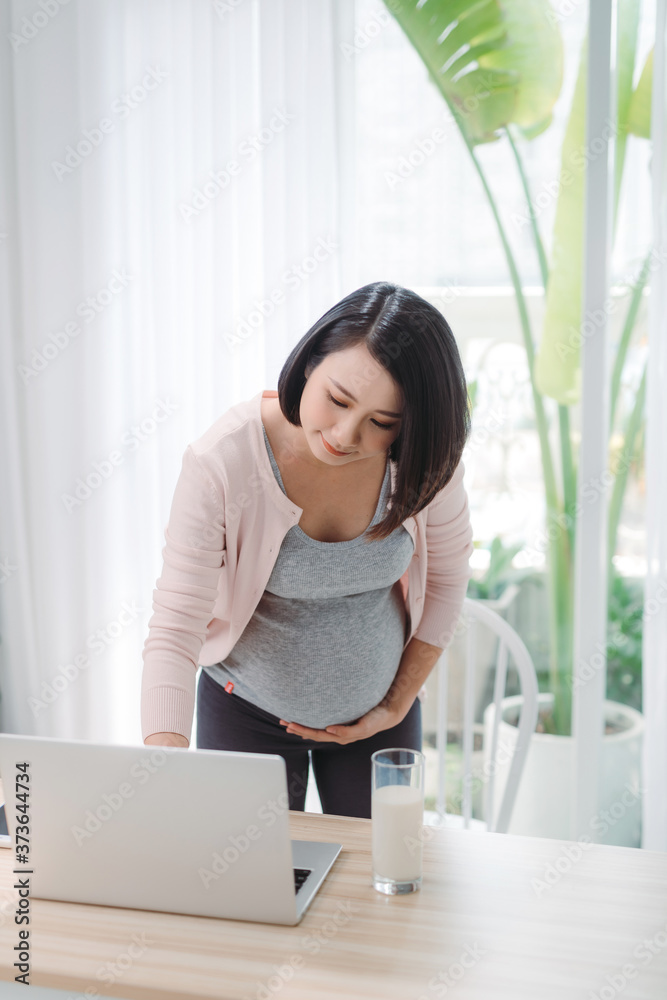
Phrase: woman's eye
{"type": "Point", "coordinates": [336, 401]}
{"type": "Point", "coordinates": [385, 427]}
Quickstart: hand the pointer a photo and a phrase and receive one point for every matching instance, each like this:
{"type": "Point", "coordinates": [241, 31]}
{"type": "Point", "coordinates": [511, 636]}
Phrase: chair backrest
{"type": "Point", "coordinates": [473, 614]}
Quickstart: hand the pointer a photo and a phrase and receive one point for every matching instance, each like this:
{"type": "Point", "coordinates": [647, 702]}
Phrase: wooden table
{"type": "Point", "coordinates": [479, 929]}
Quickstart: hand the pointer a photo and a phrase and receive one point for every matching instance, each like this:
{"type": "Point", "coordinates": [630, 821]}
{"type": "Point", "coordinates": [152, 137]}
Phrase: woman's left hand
{"type": "Point", "coordinates": [378, 718]}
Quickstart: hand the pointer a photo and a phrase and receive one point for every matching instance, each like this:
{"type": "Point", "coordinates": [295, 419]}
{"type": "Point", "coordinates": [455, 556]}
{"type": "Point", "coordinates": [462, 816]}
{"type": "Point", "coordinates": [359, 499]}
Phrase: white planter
{"type": "Point", "coordinates": [543, 802]}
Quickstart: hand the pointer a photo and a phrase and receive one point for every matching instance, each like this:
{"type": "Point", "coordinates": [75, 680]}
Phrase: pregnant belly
{"type": "Point", "coordinates": [321, 663]}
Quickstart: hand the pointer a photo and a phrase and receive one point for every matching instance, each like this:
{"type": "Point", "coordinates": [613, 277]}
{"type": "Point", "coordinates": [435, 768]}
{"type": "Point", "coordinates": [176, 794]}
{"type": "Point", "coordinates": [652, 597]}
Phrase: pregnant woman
{"type": "Point", "coordinates": [316, 555]}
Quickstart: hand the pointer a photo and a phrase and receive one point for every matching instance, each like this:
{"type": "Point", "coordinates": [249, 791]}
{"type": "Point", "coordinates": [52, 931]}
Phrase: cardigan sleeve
{"type": "Point", "coordinates": [183, 601]}
{"type": "Point", "coordinates": [448, 550]}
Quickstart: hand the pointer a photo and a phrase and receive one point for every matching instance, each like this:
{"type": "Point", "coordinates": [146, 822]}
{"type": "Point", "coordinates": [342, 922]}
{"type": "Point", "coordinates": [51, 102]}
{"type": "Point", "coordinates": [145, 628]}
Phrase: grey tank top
{"type": "Point", "coordinates": [325, 640]}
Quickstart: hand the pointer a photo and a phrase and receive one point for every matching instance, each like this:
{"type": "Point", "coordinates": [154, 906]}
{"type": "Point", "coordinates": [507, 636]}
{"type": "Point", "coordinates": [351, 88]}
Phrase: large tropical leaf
{"type": "Point", "coordinates": [557, 370]}
{"type": "Point", "coordinates": [557, 365]}
{"type": "Point", "coordinates": [495, 62]}
{"type": "Point", "coordinates": [639, 118]}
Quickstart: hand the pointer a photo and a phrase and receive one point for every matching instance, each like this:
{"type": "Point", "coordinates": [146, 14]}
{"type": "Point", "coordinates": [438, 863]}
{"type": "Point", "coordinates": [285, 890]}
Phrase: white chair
{"type": "Point", "coordinates": [474, 614]}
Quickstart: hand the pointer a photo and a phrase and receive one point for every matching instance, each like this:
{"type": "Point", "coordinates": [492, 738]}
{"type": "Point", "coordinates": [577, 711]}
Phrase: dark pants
{"type": "Point", "coordinates": [342, 771]}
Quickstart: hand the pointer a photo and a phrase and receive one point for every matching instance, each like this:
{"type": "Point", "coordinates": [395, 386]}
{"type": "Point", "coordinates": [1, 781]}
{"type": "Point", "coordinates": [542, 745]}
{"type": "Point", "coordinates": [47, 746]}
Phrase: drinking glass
{"type": "Point", "coordinates": [397, 818]}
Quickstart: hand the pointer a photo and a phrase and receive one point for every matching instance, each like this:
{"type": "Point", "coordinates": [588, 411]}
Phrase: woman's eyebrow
{"type": "Point", "coordinates": [346, 392]}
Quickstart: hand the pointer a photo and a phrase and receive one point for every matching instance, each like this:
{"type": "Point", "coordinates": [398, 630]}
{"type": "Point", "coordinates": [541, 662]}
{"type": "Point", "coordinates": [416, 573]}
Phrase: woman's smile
{"type": "Point", "coordinates": [331, 449]}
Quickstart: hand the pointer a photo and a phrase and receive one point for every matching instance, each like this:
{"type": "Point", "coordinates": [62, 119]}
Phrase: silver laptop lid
{"type": "Point", "coordinates": [201, 832]}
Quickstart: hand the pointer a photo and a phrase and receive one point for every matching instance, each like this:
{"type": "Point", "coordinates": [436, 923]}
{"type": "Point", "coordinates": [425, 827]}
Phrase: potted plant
{"type": "Point", "coordinates": [499, 66]}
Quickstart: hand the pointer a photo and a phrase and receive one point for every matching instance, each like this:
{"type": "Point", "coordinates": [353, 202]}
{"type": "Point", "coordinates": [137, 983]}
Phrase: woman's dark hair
{"type": "Point", "coordinates": [412, 340]}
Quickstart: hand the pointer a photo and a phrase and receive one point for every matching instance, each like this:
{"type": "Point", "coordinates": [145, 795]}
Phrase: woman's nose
{"type": "Point", "coordinates": [346, 434]}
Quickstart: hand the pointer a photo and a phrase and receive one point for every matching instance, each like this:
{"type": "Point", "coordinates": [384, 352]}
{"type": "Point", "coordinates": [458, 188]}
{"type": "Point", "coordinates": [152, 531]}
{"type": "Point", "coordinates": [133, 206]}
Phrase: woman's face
{"type": "Point", "coordinates": [353, 424]}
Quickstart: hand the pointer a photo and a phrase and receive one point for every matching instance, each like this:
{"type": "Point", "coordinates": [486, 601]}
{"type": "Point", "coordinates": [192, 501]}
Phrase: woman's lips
{"type": "Point", "coordinates": [332, 451]}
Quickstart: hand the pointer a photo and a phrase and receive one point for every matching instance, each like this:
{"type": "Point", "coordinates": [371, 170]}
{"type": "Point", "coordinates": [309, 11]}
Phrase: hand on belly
{"type": "Point", "coordinates": [379, 718]}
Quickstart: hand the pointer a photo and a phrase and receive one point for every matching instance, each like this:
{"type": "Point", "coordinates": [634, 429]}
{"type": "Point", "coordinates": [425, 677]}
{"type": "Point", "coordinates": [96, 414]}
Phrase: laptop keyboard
{"type": "Point", "coordinates": [300, 876]}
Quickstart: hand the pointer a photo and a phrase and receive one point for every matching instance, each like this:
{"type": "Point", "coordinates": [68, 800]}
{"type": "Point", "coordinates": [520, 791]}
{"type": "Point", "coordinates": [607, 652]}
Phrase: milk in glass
{"type": "Point", "coordinates": [397, 813]}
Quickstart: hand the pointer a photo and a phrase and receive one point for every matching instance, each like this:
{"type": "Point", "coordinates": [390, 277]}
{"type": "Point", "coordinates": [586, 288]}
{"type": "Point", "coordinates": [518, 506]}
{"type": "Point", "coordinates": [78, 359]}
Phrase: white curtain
{"type": "Point", "coordinates": [169, 228]}
{"type": "Point", "coordinates": [654, 764]}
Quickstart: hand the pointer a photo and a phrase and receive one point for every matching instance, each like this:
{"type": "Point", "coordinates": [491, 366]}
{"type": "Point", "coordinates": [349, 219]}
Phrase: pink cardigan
{"type": "Point", "coordinates": [227, 521]}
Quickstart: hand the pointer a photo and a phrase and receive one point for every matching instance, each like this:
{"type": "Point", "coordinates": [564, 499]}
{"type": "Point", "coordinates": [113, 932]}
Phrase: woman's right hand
{"type": "Point", "coordinates": [166, 740]}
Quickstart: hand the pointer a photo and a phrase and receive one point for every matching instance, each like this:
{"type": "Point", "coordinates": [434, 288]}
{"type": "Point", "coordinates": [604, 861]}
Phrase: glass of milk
{"type": "Point", "coordinates": [397, 818]}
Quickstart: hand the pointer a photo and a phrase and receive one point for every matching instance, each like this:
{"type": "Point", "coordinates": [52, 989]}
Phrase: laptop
{"type": "Point", "coordinates": [200, 832]}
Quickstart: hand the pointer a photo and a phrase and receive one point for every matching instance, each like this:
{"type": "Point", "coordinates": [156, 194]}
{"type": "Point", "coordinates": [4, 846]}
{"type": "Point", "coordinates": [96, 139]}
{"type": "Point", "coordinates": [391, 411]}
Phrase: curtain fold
{"type": "Point", "coordinates": [169, 228]}
{"type": "Point", "coordinates": [654, 658]}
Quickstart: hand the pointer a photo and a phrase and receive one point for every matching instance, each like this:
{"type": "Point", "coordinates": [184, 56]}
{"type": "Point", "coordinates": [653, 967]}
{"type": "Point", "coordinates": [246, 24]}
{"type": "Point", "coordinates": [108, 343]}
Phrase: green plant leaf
{"type": "Point", "coordinates": [533, 131]}
{"type": "Point", "coordinates": [479, 122]}
{"type": "Point", "coordinates": [534, 50]}
{"type": "Point", "coordinates": [557, 362]}
{"type": "Point", "coordinates": [626, 50]}
{"type": "Point", "coordinates": [557, 365]}
{"type": "Point", "coordinates": [494, 61]}
{"type": "Point", "coordinates": [639, 117]}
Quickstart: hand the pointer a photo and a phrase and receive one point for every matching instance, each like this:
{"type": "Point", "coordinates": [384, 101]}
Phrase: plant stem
{"type": "Point", "coordinates": [625, 460]}
{"type": "Point", "coordinates": [540, 416]}
{"type": "Point", "coordinates": [626, 334]}
{"type": "Point", "coordinates": [569, 476]}
{"type": "Point", "coordinates": [561, 572]}
{"type": "Point", "coordinates": [541, 255]}
{"type": "Point", "coordinates": [558, 561]}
